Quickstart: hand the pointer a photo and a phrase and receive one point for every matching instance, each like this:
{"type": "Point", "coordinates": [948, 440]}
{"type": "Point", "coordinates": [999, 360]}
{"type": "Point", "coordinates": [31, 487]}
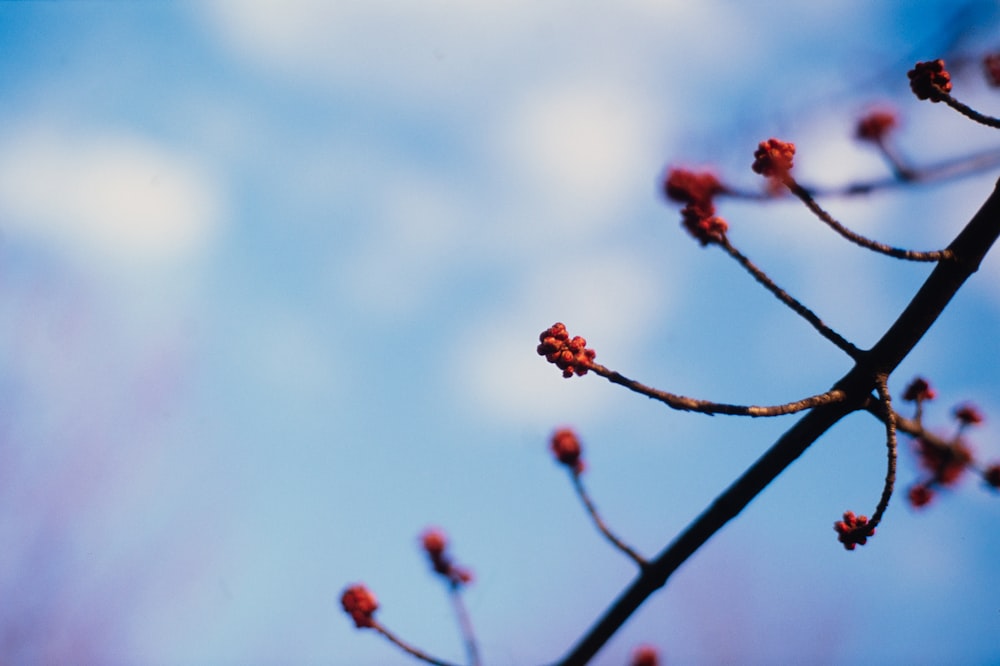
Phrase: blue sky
{"type": "Point", "coordinates": [271, 278]}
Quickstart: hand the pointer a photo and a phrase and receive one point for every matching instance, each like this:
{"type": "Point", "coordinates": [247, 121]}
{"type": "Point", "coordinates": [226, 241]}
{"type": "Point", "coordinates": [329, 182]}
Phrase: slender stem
{"type": "Point", "coordinates": [792, 303]}
{"type": "Point", "coordinates": [890, 444]}
{"type": "Point", "coordinates": [407, 648]}
{"type": "Point", "coordinates": [600, 524]}
{"type": "Point", "coordinates": [968, 111]}
{"type": "Point", "coordinates": [465, 624]}
{"type": "Point", "coordinates": [858, 239]}
{"type": "Point", "coordinates": [944, 170]}
{"type": "Point", "coordinates": [900, 169]}
{"type": "Point", "coordinates": [686, 404]}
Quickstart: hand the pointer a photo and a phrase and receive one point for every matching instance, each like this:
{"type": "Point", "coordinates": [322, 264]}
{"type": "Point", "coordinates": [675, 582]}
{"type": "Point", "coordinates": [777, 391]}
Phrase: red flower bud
{"type": "Point", "coordinates": [930, 80]}
{"type": "Point", "coordinates": [853, 530]}
{"type": "Point", "coordinates": [773, 158]}
{"type": "Point", "coordinates": [876, 125]}
{"type": "Point", "coordinates": [968, 414]}
{"type": "Point", "coordinates": [566, 448]}
{"type": "Point", "coordinates": [645, 655]}
{"type": "Point", "coordinates": [570, 356]}
{"type": "Point", "coordinates": [360, 604]}
{"type": "Point", "coordinates": [919, 390]}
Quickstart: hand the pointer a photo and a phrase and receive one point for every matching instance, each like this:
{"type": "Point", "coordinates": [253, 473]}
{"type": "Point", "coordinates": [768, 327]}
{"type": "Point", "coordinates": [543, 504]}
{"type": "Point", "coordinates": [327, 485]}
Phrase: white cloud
{"type": "Point", "coordinates": [584, 144]}
{"type": "Point", "coordinates": [415, 240]}
{"type": "Point", "coordinates": [111, 196]}
{"type": "Point", "coordinates": [441, 49]}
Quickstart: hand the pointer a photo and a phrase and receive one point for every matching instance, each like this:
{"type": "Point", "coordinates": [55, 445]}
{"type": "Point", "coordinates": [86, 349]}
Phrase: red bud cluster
{"type": "Point", "coordinates": [360, 604]}
{"type": "Point", "coordinates": [435, 544]}
{"type": "Point", "coordinates": [566, 448]}
{"type": "Point", "coordinates": [568, 354]}
{"type": "Point", "coordinates": [876, 125]}
{"type": "Point", "coordinates": [696, 190]}
{"type": "Point", "coordinates": [930, 80]}
{"type": "Point", "coordinates": [853, 530]}
{"type": "Point", "coordinates": [773, 158]}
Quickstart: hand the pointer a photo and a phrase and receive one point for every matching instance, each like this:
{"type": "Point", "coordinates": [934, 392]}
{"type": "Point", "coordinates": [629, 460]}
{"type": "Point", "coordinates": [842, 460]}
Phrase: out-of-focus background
{"type": "Point", "coordinates": [271, 280]}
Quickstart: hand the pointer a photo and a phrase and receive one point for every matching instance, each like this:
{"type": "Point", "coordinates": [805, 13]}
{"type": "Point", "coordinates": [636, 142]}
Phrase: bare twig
{"type": "Point", "coordinates": [784, 297]}
{"type": "Point", "coordinates": [900, 169]}
{"type": "Point", "coordinates": [968, 111]}
{"type": "Point", "coordinates": [600, 524]}
{"type": "Point", "coordinates": [858, 239]}
{"type": "Point", "coordinates": [464, 624]}
{"type": "Point", "coordinates": [407, 648]}
{"type": "Point", "coordinates": [937, 172]}
{"type": "Point", "coordinates": [890, 444]}
{"type": "Point", "coordinates": [683, 403]}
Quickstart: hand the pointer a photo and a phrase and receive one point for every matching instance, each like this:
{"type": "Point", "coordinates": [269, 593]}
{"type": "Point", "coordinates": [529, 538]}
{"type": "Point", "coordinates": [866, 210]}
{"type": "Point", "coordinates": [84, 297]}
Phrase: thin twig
{"type": "Point", "coordinates": [942, 171]}
{"type": "Point", "coordinates": [858, 239]}
{"type": "Point", "coordinates": [900, 169]}
{"type": "Point", "coordinates": [787, 299]}
{"type": "Point", "coordinates": [968, 111]}
{"type": "Point", "coordinates": [686, 404]}
{"type": "Point", "coordinates": [464, 624]}
{"type": "Point", "coordinates": [407, 648]}
{"type": "Point", "coordinates": [600, 524]}
{"type": "Point", "coordinates": [890, 444]}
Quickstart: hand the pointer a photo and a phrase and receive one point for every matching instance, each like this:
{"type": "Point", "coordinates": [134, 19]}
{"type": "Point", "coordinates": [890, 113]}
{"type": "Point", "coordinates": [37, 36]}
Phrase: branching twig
{"type": "Point", "coordinates": [942, 171]}
{"type": "Point", "coordinates": [900, 169]}
{"type": "Point", "coordinates": [969, 247]}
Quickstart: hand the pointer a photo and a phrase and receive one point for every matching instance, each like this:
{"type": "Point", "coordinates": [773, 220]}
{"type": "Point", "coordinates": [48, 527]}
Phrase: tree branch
{"type": "Point", "coordinates": [968, 248]}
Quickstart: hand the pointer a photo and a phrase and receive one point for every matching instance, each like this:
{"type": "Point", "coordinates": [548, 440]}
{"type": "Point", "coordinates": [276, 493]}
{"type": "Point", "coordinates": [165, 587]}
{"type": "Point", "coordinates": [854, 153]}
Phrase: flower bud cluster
{"type": "Point", "coordinates": [919, 390]}
{"type": "Point", "coordinates": [435, 544]}
{"type": "Point", "coordinates": [566, 448]}
{"type": "Point", "coordinates": [568, 354]}
{"type": "Point", "coordinates": [876, 125]}
{"type": "Point", "coordinates": [945, 462]}
{"type": "Point", "coordinates": [696, 190]}
{"type": "Point", "coordinates": [360, 604]}
{"type": "Point", "coordinates": [853, 530]}
{"type": "Point", "coordinates": [773, 158]}
{"type": "Point", "coordinates": [930, 80]}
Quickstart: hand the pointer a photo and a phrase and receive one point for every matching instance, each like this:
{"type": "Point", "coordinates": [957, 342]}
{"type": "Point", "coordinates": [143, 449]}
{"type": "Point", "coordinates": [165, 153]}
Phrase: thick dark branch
{"type": "Point", "coordinates": [969, 247]}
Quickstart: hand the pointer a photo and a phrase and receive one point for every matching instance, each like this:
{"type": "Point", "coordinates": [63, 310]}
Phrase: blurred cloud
{"type": "Point", "coordinates": [111, 195]}
{"type": "Point", "coordinates": [581, 145]}
{"type": "Point", "coordinates": [418, 230]}
{"type": "Point", "coordinates": [393, 200]}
